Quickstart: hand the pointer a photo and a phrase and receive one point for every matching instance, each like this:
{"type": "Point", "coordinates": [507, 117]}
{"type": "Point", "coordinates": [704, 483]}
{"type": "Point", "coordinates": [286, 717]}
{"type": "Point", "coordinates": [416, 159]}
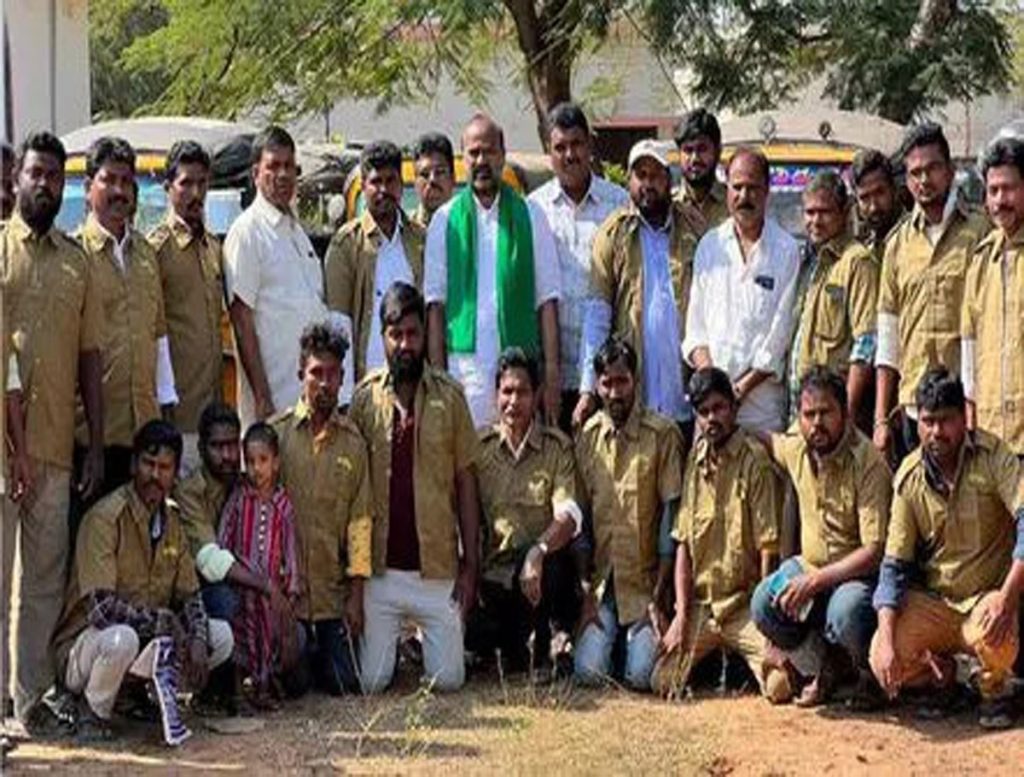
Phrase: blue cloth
{"type": "Point", "coordinates": [893, 580]}
{"type": "Point", "coordinates": [220, 601]}
{"type": "Point", "coordinates": [1018, 548]}
{"type": "Point", "coordinates": [593, 654]}
{"type": "Point", "coordinates": [843, 615]}
{"type": "Point", "coordinates": [663, 361]}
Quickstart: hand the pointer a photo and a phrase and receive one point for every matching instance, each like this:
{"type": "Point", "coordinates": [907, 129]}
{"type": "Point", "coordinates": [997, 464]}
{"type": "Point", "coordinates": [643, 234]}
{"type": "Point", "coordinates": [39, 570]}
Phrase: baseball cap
{"type": "Point", "coordinates": [651, 149]}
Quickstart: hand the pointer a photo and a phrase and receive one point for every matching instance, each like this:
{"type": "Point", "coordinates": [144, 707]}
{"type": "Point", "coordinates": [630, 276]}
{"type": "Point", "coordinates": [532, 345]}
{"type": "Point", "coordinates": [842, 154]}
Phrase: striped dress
{"type": "Point", "coordinates": [261, 535]}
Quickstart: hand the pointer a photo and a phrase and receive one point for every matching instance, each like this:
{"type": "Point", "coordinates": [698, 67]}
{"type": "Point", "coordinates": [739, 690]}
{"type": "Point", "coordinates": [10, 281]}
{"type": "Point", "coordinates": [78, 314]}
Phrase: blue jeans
{"type": "Point", "coordinates": [593, 661]}
{"type": "Point", "coordinates": [844, 615]}
{"type": "Point", "coordinates": [220, 601]}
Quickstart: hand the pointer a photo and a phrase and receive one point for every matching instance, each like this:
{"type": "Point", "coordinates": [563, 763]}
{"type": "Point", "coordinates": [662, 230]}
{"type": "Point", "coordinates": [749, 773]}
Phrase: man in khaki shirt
{"type": "Point", "coordinates": [727, 531]}
{"type": "Point", "coordinates": [528, 494]}
{"type": "Point", "coordinates": [422, 449]}
{"type": "Point", "coordinates": [630, 462]}
{"type": "Point", "coordinates": [992, 326]}
{"type": "Point", "coordinates": [956, 505]}
{"type": "Point", "coordinates": [324, 467]}
{"type": "Point", "coordinates": [837, 300]}
{"type": "Point", "coordinates": [133, 329]}
{"type": "Point", "coordinates": [817, 607]}
{"type": "Point", "coordinates": [922, 287]}
{"type": "Point", "coordinates": [878, 201]}
{"type": "Point", "coordinates": [368, 254]}
{"type": "Point", "coordinates": [52, 317]}
{"type": "Point", "coordinates": [699, 139]}
{"type": "Point", "coordinates": [133, 592]}
{"type": "Point", "coordinates": [192, 281]}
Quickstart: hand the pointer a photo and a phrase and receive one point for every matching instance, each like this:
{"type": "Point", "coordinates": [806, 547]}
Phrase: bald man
{"type": "Point", "coordinates": [490, 259]}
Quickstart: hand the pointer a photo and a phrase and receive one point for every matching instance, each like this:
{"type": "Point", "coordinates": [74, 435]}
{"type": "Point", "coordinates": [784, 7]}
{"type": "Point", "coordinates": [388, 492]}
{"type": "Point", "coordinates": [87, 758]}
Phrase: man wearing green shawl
{"type": "Point", "coordinates": [491, 279]}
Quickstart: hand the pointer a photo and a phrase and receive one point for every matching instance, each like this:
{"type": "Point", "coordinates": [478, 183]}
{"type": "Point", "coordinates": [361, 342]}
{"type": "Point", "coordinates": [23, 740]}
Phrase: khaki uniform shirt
{"type": "Point", "coordinates": [617, 270]}
{"type": "Point", "coordinates": [712, 207]}
{"type": "Point", "coordinates": [629, 475]}
{"type": "Point", "coordinates": [843, 499]}
{"type": "Point", "coordinates": [328, 481]}
{"type": "Point", "coordinates": [729, 514]}
{"type": "Point", "coordinates": [520, 493]}
{"type": "Point", "coordinates": [924, 286]}
{"type": "Point", "coordinates": [445, 444]}
{"type": "Point", "coordinates": [114, 552]}
{"type": "Point", "coordinates": [962, 542]}
{"type": "Point", "coordinates": [53, 314]}
{"type": "Point", "coordinates": [350, 271]}
{"type": "Point", "coordinates": [132, 304]}
{"type": "Point", "coordinates": [840, 305]}
{"type": "Point", "coordinates": [201, 498]}
{"type": "Point", "coordinates": [993, 316]}
{"type": "Point", "coordinates": [192, 280]}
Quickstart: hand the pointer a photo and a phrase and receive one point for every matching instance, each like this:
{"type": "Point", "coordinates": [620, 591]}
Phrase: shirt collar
{"type": "Point", "coordinates": [531, 439]}
{"type": "Point", "coordinates": [706, 452]}
{"type": "Point", "coordinates": [270, 213]}
{"type": "Point", "coordinates": [715, 194]}
{"type": "Point", "coordinates": [96, 236]}
{"type": "Point", "coordinates": [19, 228]}
{"type": "Point", "coordinates": [954, 205]}
{"type": "Point", "coordinates": [933, 472]}
{"type": "Point", "coordinates": [557, 193]}
{"type": "Point", "coordinates": [372, 229]}
{"type": "Point", "coordinates": [181, 230]}
{"type": "Point", "coordinates": [630, 430]}
{"type": "Point", "coordinates": [303, 413]}
{"type": "Point", "coordinates": [834, 248]}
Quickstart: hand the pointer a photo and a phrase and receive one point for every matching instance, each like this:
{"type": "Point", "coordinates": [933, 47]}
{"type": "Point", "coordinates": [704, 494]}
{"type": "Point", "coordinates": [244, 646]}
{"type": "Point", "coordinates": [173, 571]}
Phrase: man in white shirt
{"type": "Point", "coordinates": [274, 282]}
{"type": "Point", "coordinates": [367, 255]}
{"type": "Point", "coordinates": [740, 316]}
{"type": "Point", "coordinates": [576, 203]}
{"type": "Point", "coordinates": [491, 278]}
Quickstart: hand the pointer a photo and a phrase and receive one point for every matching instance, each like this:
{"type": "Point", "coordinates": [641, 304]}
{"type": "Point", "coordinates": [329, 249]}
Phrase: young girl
{"type": "Point", "coordinates": [258, 528]}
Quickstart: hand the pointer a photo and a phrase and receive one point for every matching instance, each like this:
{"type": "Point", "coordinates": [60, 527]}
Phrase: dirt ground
{"type": "Point", "coordinates": [515, 727]}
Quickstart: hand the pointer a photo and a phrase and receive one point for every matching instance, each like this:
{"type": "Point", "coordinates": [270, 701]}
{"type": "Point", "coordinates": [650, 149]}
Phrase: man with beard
{"type": "Point", "coordinates": [422, 449]}
{"type": "Point", "coordinates": [878, 202]}
{"type": "Point", "coordinates": [274, 282]}
{"type": "Point", "coordinates": [953, 571]}
{"type": "Point", "coordinates": [576, 203]}
{"type": "Point", "coordinates": [699, 139]}
{"type": "Point", "coordinates": [54, 314]}
{"type": "Point", "coordinates": [370, 253]}
{"type": "Point", "coordinates": [740, 316]}
{"type": "Point", "coordinates": [528, 493]}
{"type": "Point", "coordinates": [817, 607]}
{"type": "Point", "coordinates": [992, 349]}
{"type": "Point", "coordinates": [640, 287]}
{"type": "Point", "coordinates": [133, 601]}
{"type": "Point", "coordinates": [6, 180]}
{"type": "Point", "coordinates": [325, 469]}
{"type": "Point", "coordinates": [837, 300]}
{"type": "Point", "coordinates": [434, 162]}
{"type": "Point", "coordinates": [630, 463]}
{"type": "Point", "coordinates": [192, 279]}
{"type": "Point", "coordinates": [490, 264]}
{"type": "Point", "coordinates": [728, 534]}
{"type": "Point", "coordinates": [922, 287]}
{"type": "Point", "coordinates": [137, 372]}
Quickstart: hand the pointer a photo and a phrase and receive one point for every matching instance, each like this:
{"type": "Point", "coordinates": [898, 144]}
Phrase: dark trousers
{"type": "Point", "coordinates": [504, 619]}
{"type": "Point", "coordinates": [328, 660]}
{"type": "Point", "coordinates": [117, 470]}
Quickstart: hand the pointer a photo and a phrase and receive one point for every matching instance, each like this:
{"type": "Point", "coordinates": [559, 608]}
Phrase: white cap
{"type": "Point", "coordinates": [650, 149]}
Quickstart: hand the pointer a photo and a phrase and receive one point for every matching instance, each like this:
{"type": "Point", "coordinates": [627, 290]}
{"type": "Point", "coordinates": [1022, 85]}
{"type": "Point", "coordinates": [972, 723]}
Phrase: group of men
{"type": "Point", "coordinates": [587, 419]}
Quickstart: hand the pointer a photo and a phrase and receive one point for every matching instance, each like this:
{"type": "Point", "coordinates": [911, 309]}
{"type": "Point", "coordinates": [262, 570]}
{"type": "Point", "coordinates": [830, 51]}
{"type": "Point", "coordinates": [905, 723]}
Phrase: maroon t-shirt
{"type": "Point", "coordinates": [403, 542]}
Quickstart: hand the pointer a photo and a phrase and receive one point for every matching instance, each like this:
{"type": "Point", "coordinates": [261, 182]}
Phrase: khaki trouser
{"type": "Point", "coordinates": [35, 561]}
{"type": "Point", "coordinates": [926, 624]}
{"type": "Point", "coordinates": [704, 634]}
{"type": "Point", "coordinates": [99, 660]}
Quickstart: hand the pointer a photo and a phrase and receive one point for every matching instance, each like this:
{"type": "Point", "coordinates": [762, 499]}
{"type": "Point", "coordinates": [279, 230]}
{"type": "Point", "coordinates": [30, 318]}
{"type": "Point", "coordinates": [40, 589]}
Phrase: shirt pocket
{"type": "Point", "coordinates": [830, 321]}
{"type": "Point", "coordinates": [947, 297]}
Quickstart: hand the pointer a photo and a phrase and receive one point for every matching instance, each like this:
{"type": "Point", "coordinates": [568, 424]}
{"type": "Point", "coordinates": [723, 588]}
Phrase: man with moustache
{"type": "Point", "coordinates": [133, 602]}
{"type": "Point", "coordinates": [325, 468]}
{"type": "Point", "coordinates": [53, 312]}
{"type": "Point", "coordinates": [422, 452]}
{"type": "Point", "coordinates": [740, 316]}
{"type": "Point", "coordinates": [433, 160]}
{"type": "Point", "coordinates": [992, 348]}
{"type": "Point", "coordinates": [367, 255]}
{"type": "Point", "coordinates": [922, 287]}
{"type": "Point", "coordinates": [274, 282]}
{"type": "Point", "coordinates": [878, 202]}
{"type": "Point", "coordinates": [192, 280]}
{"type": "Point", "coordinates": [630, 464]}
{"type": "Point", "coordinates": [137, 372]}
{"type": "Point", "coordinates": [576, 203]}
{"type": "Point", "coordinates": [699, 139]}
{"type": "Point", "coordinates": [953, 571]}
{"type": "Point", "coordinates": [727, 531]}
{"type": "Point", "coordinates": [490, 262]}
{"type": "Point", "coordinates": [817, 607]}
{"type": "Point", "coordinates": [640, 287]}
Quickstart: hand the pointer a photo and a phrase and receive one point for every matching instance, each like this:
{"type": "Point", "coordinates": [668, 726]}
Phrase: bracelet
{"type": "Point", "coordinates": [881, 422]}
